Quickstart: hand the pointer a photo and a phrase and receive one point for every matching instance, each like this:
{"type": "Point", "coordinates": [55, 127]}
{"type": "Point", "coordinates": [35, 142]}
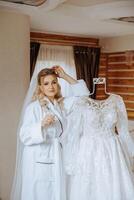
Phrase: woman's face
{"type": "Point", "coordinates": [49, 86]}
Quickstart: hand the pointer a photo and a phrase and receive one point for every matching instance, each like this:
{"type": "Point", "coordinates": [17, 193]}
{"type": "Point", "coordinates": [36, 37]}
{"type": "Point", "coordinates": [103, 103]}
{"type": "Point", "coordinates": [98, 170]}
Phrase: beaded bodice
{"type": "Point", "coordinates": [99, 116]}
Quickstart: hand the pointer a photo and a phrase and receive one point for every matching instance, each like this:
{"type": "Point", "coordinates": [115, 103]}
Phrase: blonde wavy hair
{"type": "Point", "coordinates": [38, 94]}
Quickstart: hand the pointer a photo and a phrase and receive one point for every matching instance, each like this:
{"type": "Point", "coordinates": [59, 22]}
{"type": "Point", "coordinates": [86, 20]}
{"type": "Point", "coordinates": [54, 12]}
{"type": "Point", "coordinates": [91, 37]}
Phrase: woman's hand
{"type": "Point", "coordinates": [48, 120]}
{"type": "Point", "coordinates": [59, 71]}
{"type": "Point", "coordinates": [61, 74]}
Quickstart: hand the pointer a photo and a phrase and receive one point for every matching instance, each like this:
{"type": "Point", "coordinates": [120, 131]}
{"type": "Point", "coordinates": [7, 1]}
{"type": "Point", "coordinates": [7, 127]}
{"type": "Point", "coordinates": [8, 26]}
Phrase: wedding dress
{"type": "Point", "coordinates": [97, 159]}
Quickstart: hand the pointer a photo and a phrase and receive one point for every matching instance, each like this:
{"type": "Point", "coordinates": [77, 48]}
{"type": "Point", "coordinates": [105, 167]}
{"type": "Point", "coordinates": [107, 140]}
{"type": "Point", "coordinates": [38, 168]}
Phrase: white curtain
{"type": "Point", "coordinates": [50, 55]}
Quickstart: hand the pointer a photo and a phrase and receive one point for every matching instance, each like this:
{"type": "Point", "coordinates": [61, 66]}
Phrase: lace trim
{"type": "Point", "coordinates": [96, 104]}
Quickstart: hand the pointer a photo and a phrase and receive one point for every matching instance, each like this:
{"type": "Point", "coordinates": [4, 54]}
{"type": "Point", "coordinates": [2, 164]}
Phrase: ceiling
{"type": "Point", "coordinates": [89, 3]}
{"type": "Point", "coordinates": [27, 2]}
{"type": "Point", "coordinates": [96, 18]}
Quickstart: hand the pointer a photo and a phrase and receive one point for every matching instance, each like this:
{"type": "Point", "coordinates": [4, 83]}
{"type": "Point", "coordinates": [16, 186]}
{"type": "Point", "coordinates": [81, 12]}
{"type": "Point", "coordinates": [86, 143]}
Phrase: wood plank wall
{"type": "Point", "coordinates": [54, 39]}
{"type": "Point", "coordinates": [100, 94]}
{"type": "Point", "coordinates": [119, 71]}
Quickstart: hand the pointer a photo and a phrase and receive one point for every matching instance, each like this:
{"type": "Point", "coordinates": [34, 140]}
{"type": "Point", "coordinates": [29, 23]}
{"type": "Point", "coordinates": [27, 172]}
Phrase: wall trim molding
{"type": "Point", "coordinates": [55, 39]}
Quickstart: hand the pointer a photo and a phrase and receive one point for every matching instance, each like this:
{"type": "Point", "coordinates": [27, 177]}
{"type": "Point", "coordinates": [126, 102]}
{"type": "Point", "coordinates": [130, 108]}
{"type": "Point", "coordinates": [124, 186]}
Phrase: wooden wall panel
{"type": "Point", "coordinates": [120, 78]}
{"type": "Point", "coordinates": [54, 39]}
{"type": "Point", "coordinates": [100, 94]}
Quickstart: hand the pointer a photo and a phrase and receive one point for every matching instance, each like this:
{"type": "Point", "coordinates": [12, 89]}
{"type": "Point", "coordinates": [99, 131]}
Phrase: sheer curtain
{"type": "Point", "coordinates": [50, 55]}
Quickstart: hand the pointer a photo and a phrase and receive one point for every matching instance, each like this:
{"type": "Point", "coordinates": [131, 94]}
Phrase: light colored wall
{"type": "Point", "coordinates": [117, 44]}
{"type": "Point", "coordinates": [14, 78]}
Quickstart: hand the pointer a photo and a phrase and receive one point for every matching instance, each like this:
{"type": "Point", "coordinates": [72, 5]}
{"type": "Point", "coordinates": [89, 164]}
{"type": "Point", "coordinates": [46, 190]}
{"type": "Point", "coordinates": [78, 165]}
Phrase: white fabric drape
{"type": "Point", "coordinates": [50, 55]}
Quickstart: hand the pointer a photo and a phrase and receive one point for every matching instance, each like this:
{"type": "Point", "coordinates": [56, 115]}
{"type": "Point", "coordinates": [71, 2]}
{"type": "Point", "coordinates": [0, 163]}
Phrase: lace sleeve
{"type": "Point", "coordinates": [73, 134]}
{"type": "Point", "coordinates": [122, 127]}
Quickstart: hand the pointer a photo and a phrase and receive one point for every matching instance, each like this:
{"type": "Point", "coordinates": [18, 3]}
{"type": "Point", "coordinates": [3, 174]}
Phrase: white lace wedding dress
{"type": "Point", "coordinates": [97, 160]}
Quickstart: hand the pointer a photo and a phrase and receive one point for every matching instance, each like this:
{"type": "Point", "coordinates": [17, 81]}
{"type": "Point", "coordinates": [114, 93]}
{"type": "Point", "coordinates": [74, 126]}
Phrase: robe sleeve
{"type": "Point", "coordinates": [79, 90]}
{"type": "Point", "coordinates": [31, 132]}
{"type": "Point", "coordinates": [122, 127]}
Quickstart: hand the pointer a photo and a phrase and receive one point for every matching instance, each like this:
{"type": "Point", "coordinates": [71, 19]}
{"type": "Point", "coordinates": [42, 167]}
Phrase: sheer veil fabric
{"type": "Point", "coordinates": [48, 56]}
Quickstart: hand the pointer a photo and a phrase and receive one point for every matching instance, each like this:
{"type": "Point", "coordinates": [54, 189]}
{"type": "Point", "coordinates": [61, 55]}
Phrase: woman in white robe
{"type": "Point", "coordinates": [41, 133]}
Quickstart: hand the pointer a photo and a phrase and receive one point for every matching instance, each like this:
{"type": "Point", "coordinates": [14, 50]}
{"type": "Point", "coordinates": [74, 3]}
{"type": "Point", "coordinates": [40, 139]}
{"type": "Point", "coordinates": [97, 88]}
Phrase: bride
{"type": "Point", "coordinates": [97, 159]}
{"type": "Point", "coordinates": [39, 172]}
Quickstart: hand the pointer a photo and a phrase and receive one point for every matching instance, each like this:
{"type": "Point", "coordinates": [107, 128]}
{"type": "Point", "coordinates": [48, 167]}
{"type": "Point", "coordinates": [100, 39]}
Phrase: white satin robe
{"type": "Point", "coordinates": [42, 171]}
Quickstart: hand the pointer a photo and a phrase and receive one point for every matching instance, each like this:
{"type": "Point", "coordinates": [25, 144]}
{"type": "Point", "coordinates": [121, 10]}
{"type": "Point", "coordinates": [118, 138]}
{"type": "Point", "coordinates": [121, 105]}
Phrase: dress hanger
{"type": "Point", "coordinates": [99, 81]}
